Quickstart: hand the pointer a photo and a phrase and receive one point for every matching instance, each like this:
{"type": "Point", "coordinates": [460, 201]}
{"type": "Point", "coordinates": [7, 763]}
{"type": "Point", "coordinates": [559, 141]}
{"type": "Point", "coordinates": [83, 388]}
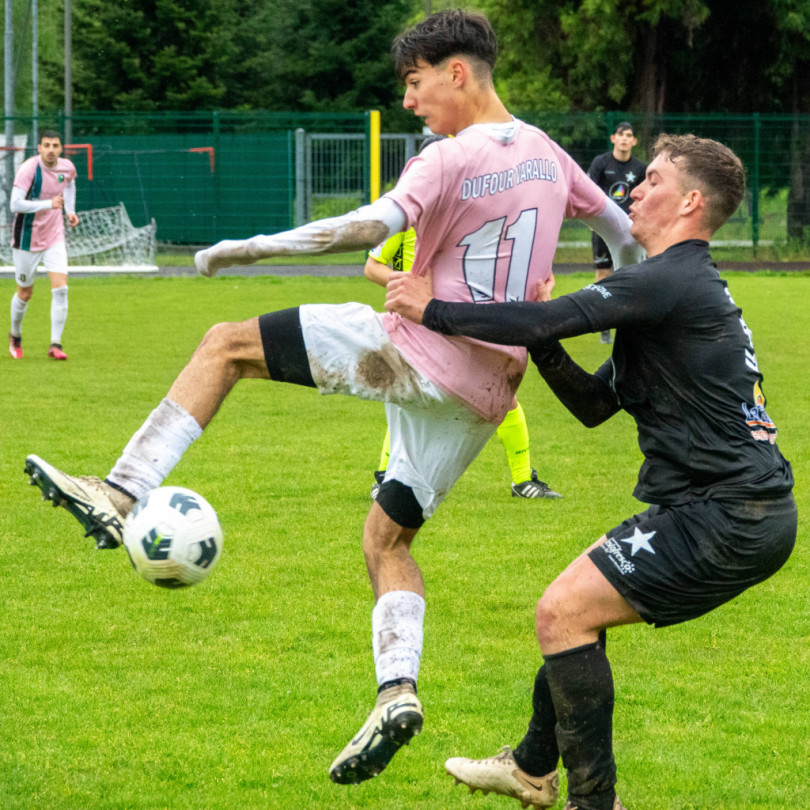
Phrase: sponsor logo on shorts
{"type": "Point", "coordinates": [615, 555]}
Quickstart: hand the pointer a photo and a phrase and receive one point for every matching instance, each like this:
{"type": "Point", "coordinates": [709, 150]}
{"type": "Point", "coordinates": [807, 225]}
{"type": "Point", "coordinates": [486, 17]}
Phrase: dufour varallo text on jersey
{"type": "Point", "coordinates": [495, 183]}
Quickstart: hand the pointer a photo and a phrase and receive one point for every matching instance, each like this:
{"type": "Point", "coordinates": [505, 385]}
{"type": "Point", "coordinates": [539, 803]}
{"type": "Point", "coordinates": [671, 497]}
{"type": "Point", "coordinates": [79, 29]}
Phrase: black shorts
{"type": "Point", "coordinates": [675, 563]}
{"type": "Point", "coordinates": [601, 254]}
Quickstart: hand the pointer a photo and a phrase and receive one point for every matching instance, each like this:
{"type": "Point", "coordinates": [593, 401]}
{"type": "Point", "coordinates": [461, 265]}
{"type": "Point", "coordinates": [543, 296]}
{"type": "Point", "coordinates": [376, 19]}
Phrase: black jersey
{"type": "Point", "coordinates": [617, 178]}
{"type": "Point", "coordinates": [683, 366]}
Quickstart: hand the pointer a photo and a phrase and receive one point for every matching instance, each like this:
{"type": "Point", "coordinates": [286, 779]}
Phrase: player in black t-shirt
{"type": "Point", "coordinates": [617, 173]}
{"type": "Point", "coordinates": [722, 516]}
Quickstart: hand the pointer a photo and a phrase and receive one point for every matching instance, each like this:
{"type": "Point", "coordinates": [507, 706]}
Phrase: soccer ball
{"type": "Point", "coordinates": [173, 537]}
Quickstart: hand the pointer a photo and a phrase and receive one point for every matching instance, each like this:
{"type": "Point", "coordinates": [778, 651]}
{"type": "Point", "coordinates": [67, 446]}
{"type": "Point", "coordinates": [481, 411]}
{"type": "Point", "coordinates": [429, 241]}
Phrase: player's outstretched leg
{"type": "Point", "coordinates": [395, 720]}
{"type": "Point", "coordinates": [501, 774]}
{"type": "Point", "coordinates": [99, 507]}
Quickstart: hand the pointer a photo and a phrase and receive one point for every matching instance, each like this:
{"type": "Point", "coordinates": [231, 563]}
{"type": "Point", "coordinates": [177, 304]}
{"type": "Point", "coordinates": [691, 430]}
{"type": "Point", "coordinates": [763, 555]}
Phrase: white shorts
{"type": "Point", "coordinates": [54, 260]}
{"type": "Point", "coordinates": [434, 437]}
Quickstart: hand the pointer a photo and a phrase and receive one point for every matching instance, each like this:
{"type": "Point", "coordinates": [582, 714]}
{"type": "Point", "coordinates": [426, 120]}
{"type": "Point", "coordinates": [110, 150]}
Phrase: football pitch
{"type": "Point", "coordinates": [239, 692]}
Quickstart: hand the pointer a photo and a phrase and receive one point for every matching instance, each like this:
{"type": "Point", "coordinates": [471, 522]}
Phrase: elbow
{"type": "Point", "coordinates": [592, 420]}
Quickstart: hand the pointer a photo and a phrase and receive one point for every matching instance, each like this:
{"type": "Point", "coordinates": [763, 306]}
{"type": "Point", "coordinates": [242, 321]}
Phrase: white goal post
{"type": "Point", "coordinates": [104, 241]}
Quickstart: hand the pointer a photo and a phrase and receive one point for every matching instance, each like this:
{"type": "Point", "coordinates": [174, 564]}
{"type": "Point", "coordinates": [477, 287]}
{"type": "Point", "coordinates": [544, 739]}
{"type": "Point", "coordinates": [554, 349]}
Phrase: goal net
{"type": "Point", "coordinates": [105, 240]}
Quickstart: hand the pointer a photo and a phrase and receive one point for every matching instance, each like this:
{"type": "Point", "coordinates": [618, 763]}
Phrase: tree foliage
{"type": "Point", "coordinates": [654, 55]}
{"type": "Point", "coordinates": [333, 55]}
{"type": "Point", "coordinates": [148, 55]}
{"type": "Point", "coordinates": [235, 54]}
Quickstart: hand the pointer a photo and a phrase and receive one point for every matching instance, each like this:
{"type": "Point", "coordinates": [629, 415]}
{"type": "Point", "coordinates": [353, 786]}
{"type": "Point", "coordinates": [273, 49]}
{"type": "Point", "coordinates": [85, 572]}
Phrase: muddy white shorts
{"type": "Point", "coordinates": [434, 437]}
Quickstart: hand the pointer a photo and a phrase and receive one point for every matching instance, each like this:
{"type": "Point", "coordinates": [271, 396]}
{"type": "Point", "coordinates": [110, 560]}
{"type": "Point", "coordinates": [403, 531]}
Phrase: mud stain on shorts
{"type": "Point", "coordinates": [386, 372]}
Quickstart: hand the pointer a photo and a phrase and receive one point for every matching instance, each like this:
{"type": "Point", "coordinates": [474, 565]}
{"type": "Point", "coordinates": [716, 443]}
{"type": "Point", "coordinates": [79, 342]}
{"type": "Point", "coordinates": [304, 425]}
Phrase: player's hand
{"type": "Point", "coordinates": [408, 295]}
{"type": "Point", "coordinates": [73, 220]}
{"type": "Point", "coordinates": [543, 289]}
{"type": "Point", "coordinates": [58, 201]}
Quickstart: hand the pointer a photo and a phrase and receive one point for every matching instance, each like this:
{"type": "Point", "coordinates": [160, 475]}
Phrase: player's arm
{"type": "Point", "coordinates": [377, 271]}
{"type": "Point", "coordinates": [613, 225]}
{"type": "Point", "coordinates": [589, 397]}
{"type": "Point", "coordinates": [535, 324]}
{"type": "Point", "coordinates": [69, 194]}
{"type": "Point", "coordinates": [19, 205]}
{"type": "Point", "coordinates": [516, 323]}
{"type": "Point", "coordinates": [358, 230]}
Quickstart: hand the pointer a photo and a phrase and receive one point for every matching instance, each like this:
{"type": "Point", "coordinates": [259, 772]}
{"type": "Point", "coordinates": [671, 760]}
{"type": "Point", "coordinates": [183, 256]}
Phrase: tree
{"type": "Point", "coordinates": [148, 55]}
{"type": "Point", "coordinates": [315, 55]}
{"type": "Point", "coordinates": [594, 54]}
{"type": "Point", "coordinates": [312, 55]}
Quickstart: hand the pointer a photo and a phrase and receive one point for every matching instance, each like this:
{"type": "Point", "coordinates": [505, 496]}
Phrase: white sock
{"type": "Point", "coordinates": [396, 635]}
{"type": "Point", "coordinates": [59, 312]}
{"type": "Point", "coordinates": [155, 449]}
{"type": "Point", "coordinates": [18, 307]}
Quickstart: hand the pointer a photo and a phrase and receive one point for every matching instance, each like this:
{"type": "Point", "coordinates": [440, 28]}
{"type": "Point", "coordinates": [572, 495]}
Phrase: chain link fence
{"type": "Point", "coordinates": [209, 176]}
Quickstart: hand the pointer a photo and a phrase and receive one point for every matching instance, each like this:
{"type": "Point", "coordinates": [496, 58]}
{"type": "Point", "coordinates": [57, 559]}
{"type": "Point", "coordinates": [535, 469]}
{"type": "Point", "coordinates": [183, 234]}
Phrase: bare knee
{"type": "Point", "coordinates": [378, 544]}
{"type": "Point", "coordinates": [25, 293]}
{"type": "Point", "coordinates": [551, 616]}
{"type": "Point", "coordinates": [234, 345]}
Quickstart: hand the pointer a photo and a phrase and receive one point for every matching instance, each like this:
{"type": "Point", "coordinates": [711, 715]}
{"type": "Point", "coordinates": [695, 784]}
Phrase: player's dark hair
{"type": "Point", "coordinates": [49, 133]}
{"type": "Point", "coordinates": [623, 126]}
{"type": "Point", "coordinates": [452, 32]}
{"type": "Point", "coordinates": [713, 169]}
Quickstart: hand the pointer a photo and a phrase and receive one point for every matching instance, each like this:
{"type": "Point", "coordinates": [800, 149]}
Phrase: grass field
{"type": "Point", "coordinates": [238, 693]}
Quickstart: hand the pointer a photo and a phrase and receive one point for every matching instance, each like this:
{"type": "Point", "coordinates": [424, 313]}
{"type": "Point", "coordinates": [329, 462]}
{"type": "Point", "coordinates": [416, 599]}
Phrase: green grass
{"type": "Point", "coordinates": [239, 692]}
{"type": "Point", "coordinates": [764, 257]}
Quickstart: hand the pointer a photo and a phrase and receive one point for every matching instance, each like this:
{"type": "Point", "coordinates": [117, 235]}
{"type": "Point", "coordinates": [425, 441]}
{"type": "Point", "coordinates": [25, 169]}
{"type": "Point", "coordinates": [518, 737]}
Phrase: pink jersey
{"type": "Point", "coordinates": [487, 211]}
{"type": "Point", "coordinates": [40, 230]}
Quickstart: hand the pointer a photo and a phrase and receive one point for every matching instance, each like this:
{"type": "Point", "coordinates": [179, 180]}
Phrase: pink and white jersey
{"type": "Point", "coordinates": [40, 230]}
{"type": "Point", "coordinates": [487, 207]}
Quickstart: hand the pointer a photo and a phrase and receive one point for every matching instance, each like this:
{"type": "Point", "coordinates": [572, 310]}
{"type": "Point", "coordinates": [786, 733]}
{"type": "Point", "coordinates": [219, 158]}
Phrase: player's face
{"type": "Point", "coordinates": [624, 142]}
{"type": "Point", "coordinates": [427, 94]}
{"type": "Point", "coordinates": [658, 202]}
{"type": "Point", "coordinates": [49, 150]}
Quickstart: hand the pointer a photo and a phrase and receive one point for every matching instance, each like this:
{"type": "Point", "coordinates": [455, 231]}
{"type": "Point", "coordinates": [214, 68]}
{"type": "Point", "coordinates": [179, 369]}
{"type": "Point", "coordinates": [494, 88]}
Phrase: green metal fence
{"type": "Point", "coordinates": [773, 148]}
{"type": "Point", "coordinates": [201, 176]}
{"type": "Point", "coordinates": [215, 175]}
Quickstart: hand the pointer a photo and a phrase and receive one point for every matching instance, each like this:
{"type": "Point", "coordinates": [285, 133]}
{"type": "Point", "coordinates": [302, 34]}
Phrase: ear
{"type": "Point", "coordinates": [693, 201]}
{"type": "Point", "coordinates": [613, 138]}
{"type": "Point", "coordinates": [459, 71]}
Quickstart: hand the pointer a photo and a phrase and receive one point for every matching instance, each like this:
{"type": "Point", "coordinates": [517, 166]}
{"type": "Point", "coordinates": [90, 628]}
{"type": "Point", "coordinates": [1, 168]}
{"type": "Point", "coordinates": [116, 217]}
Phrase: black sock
{"type": "Point", "coordinates": [538, 753]}
{"type": "Point", "coordinates": [581, 687]}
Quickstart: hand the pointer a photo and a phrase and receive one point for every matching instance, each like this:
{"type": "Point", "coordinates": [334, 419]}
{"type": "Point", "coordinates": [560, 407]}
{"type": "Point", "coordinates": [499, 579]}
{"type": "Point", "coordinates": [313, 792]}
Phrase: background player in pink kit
{"type": "Point", "coordinates": [487, 207]}
{"type": "Point", "coordinates": [44, 192]}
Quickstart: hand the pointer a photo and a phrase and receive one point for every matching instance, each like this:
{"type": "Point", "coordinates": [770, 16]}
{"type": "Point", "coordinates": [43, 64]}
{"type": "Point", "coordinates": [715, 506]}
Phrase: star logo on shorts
{"type": "Point", "coordinates": [639, 540]}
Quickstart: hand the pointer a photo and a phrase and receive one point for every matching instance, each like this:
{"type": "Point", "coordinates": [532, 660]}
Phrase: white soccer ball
{"type": "Point", "coordinates": [173, 537]}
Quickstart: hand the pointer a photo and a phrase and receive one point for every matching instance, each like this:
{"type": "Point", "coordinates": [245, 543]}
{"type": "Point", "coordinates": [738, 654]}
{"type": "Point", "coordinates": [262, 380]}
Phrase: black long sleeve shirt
{"type": "Point", "coordinates": [683, 366]}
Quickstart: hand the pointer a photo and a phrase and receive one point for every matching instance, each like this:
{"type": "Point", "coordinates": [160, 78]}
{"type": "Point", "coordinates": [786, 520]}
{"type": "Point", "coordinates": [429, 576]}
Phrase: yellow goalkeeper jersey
{"type": "Point", "coordinates": [397, 251]}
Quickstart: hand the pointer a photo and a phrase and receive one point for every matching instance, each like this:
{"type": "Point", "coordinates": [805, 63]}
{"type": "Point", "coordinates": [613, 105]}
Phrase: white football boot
{"type": "Point", "coordinates": [501, 774]}
{"type": "Point", "coordinates": [395, 719]}
{"type": "Point", "coordinates": [99, 507]}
